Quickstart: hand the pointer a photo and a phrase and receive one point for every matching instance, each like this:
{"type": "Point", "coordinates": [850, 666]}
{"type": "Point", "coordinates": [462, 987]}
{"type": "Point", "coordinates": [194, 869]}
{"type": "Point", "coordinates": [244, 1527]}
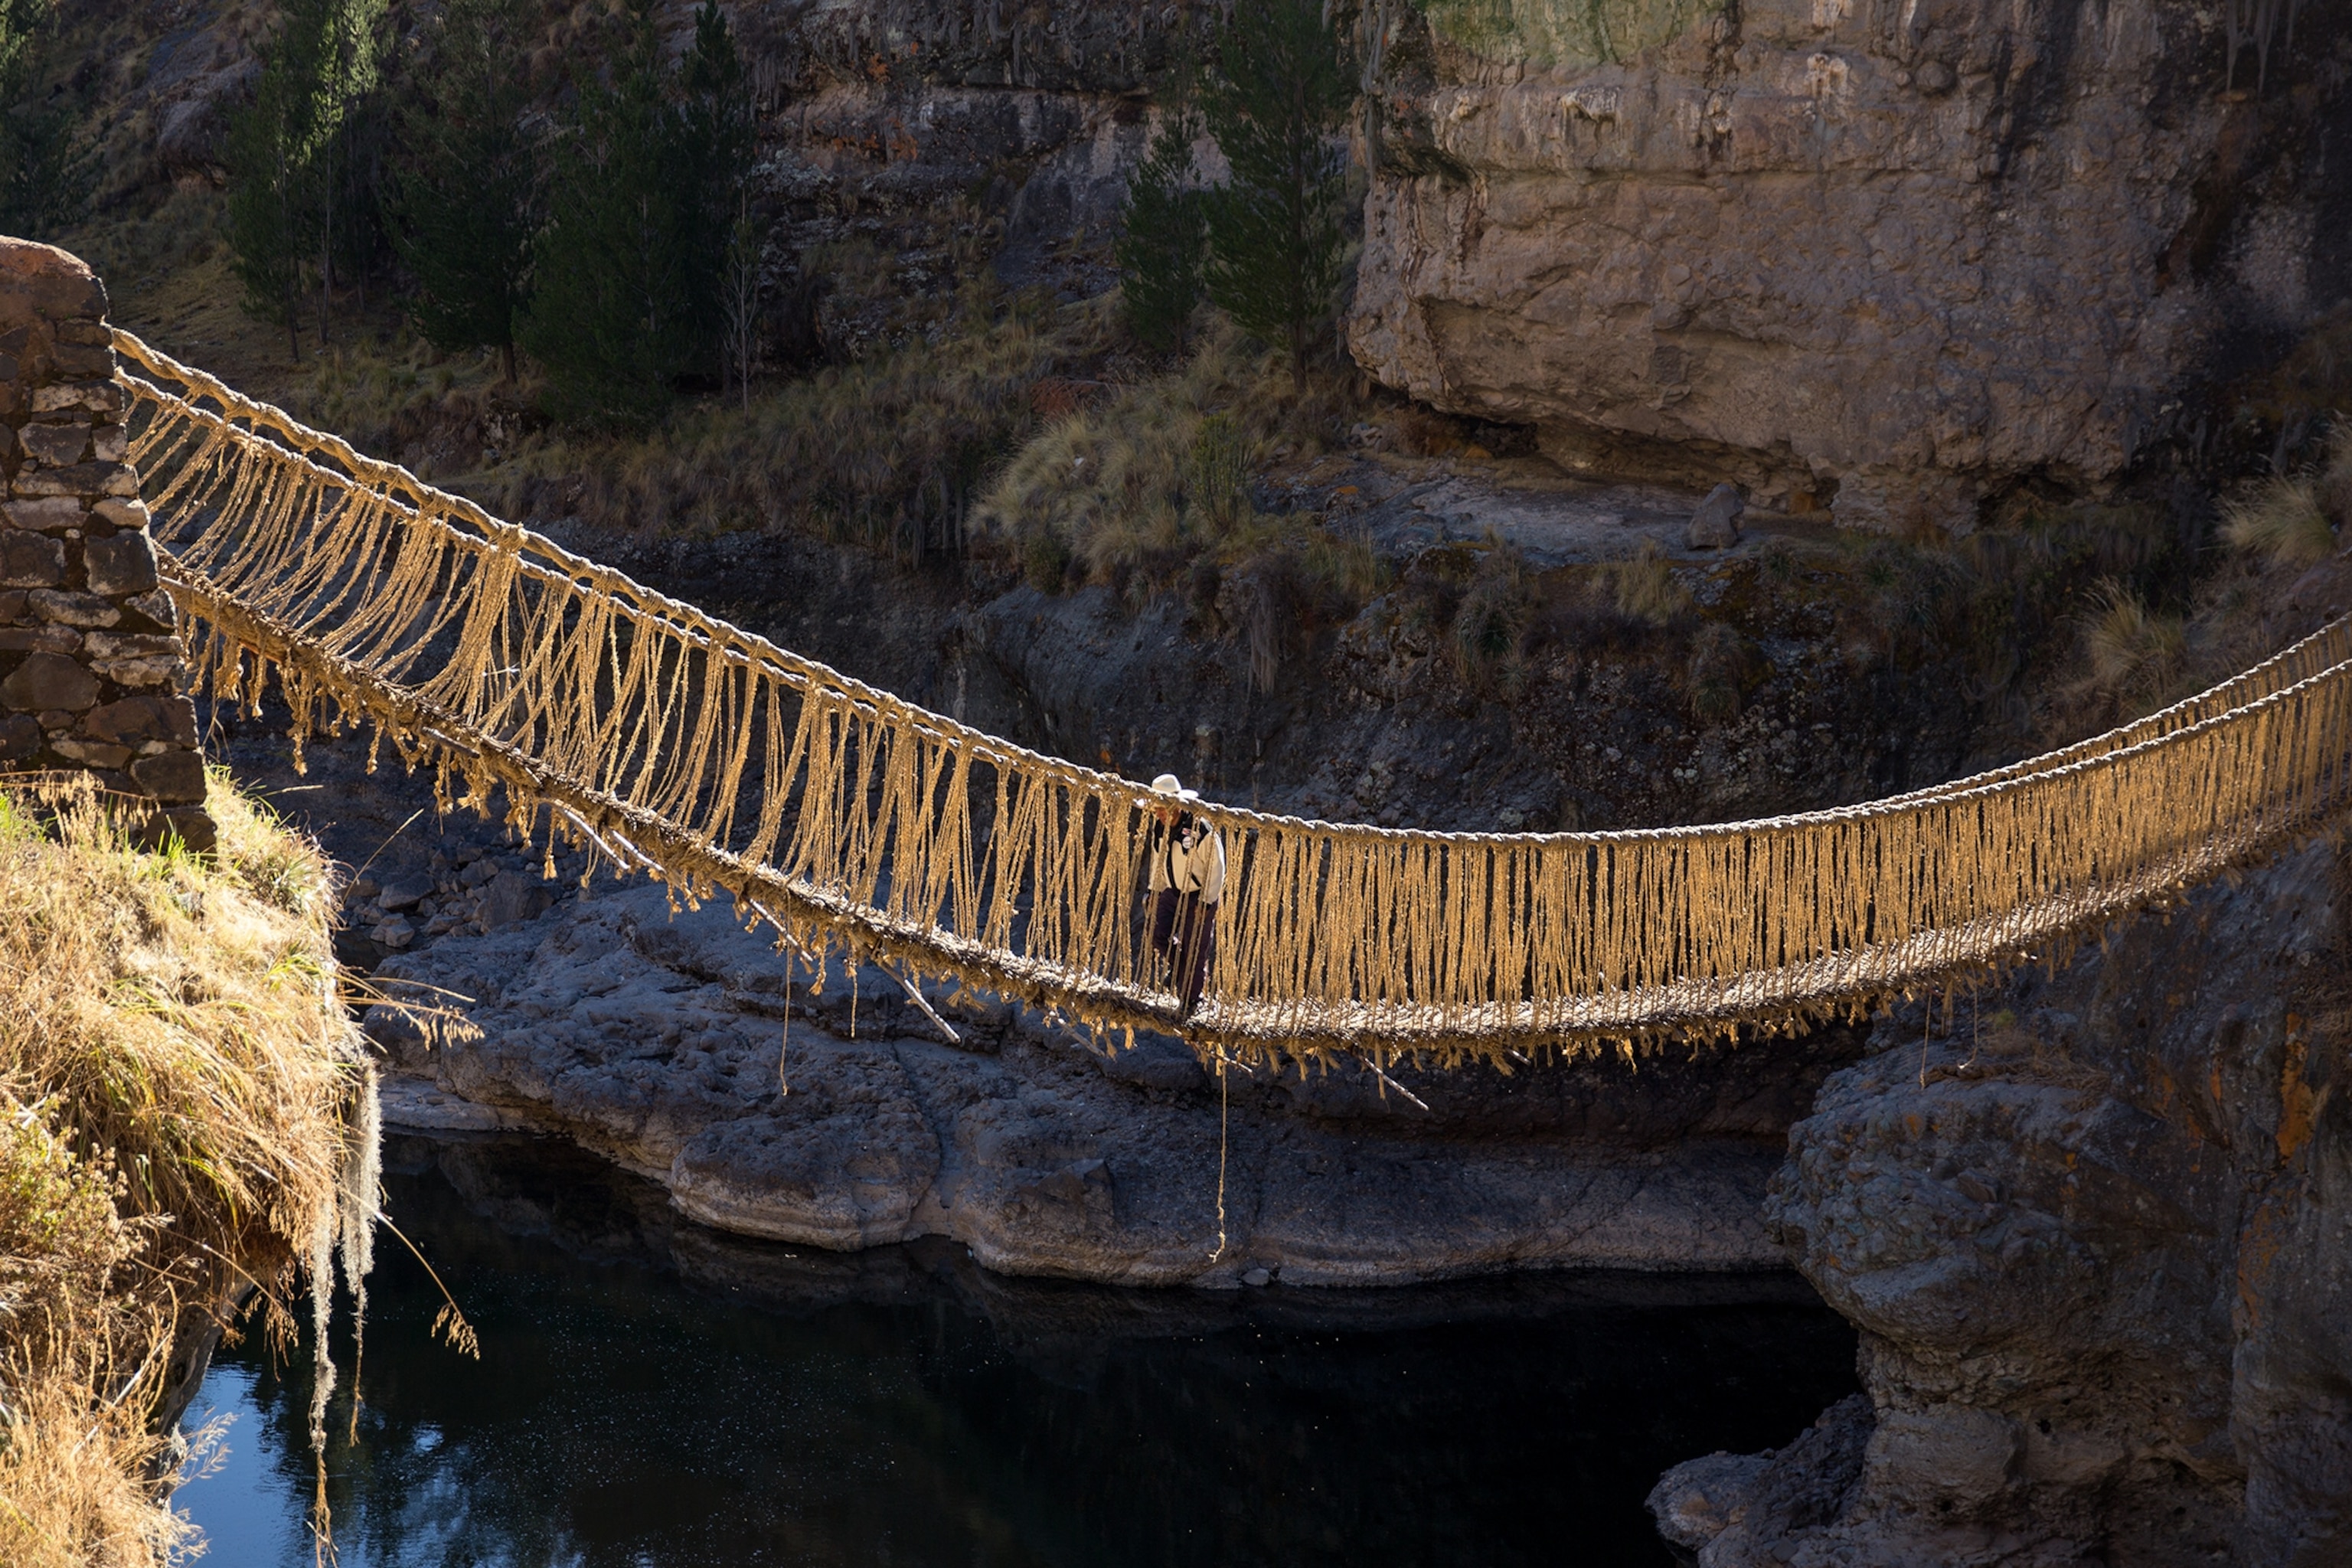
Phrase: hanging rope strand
{"type": "Point", "coordinates": [673, 741]}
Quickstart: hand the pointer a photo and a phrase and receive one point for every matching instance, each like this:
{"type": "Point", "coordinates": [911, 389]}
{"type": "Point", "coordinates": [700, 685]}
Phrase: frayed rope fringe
{"type": "Point", "coordinates": [665, 740]}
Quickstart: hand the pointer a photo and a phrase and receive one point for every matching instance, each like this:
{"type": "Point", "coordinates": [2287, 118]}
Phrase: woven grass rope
{"type": "Point", "coordinates": [670, 741]}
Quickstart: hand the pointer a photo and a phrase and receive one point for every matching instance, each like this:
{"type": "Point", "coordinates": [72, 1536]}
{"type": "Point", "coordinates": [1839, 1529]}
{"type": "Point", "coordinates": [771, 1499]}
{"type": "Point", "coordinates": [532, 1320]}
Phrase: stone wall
{"type": "Point", "coordinates": [92, 671]}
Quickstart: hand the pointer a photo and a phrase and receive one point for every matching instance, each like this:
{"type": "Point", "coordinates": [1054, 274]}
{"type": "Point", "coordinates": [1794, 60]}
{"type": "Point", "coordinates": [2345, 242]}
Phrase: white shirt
{"type": "Point", "coordinates": [1192, 864]}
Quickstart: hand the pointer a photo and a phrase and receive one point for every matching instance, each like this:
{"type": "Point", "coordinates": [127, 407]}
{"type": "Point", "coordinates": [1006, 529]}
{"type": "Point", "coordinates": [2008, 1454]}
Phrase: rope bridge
{"type": "Point", "coordinates": [668, 741]}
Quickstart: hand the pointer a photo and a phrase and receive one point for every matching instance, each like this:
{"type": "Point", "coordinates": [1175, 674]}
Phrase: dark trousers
{"type": "Point", "coordinates": [1184, 937]}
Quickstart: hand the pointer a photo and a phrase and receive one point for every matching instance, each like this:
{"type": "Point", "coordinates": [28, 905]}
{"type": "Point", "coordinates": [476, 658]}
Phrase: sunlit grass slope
{"type": "Point", "coordinates": [178, 1090]}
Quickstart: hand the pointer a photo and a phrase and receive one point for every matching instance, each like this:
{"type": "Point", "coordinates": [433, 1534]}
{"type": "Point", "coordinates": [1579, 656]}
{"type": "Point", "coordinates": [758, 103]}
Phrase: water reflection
{"type": "Point", "coordinates": [652, 1395]}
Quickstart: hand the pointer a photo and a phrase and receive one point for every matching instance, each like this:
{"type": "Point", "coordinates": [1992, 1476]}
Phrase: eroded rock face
{"type": "Point", "coordinates": [1893, 257]}
{"type": "Point", "coordinates": [2100, 1251]}
{"type": "Point", "coordinates": [657, 1040]}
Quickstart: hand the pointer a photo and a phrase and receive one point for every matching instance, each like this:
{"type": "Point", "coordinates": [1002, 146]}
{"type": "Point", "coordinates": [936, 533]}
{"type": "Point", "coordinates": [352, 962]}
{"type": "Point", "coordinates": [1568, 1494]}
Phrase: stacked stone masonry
{"type": "Point", "coordinates": [93, 674]}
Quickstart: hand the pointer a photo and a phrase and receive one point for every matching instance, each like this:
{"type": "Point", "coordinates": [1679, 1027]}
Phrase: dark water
{"type": "Point", "coordinates": [652, 1395]}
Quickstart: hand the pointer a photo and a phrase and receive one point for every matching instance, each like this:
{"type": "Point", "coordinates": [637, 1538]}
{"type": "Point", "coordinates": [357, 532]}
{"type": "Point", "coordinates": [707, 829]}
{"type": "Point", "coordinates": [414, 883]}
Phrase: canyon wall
{"type": "Point", "coordinates": [2097, 1239]}
{"type": "Point", "coordinates": [1886, 257]}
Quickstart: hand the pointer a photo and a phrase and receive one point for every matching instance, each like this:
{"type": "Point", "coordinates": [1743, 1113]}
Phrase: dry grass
{"type": "Point", "coordinates": [2132, 652]}
{"type": "Point", "coordinates": [887, 450]}
{"type": "Point", "coordinates": [2283, 522]}
{"type": "Point", "coordinates": [177, 1084]}
{"type": "Point", "coordinates": [1644, 587]}
{"type": "Point", "coordinates": [1148, 492]}
{"type": "Point", "coordinates": [1156, 474]}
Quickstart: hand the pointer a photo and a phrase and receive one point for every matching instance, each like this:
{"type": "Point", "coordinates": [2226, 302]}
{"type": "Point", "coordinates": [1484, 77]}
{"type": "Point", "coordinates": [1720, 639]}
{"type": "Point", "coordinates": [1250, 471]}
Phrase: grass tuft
{"type": "Point", "coordinates": [176, 1078]}
{"type": "Point", "coordinates": [2282, 522]}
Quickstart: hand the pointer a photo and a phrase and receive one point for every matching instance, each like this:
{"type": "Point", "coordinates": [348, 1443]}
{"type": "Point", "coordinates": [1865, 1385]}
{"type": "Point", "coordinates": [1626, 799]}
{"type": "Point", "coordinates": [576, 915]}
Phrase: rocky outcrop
{"type": "Point", "coordinates": [2098, 1244]}
{"type": "Point", "coordinates": [1889, 257]}
{"type": "Point", "coordinates": [656, 1039]}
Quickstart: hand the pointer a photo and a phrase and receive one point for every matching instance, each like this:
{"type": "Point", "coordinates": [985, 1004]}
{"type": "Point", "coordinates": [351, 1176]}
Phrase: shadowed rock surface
{"type": "Point", "coordinates": [654, 1038]}
{"type": "Point", "coordinates": [2099, 1246]}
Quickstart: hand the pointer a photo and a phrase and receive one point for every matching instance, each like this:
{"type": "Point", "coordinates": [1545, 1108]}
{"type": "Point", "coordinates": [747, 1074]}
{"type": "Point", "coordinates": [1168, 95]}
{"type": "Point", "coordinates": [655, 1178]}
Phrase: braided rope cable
{"type": "Point", "coordinates": [670, 741]}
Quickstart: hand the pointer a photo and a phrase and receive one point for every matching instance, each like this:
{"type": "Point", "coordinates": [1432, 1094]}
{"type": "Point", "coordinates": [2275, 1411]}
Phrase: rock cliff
{"type": "Point", "coordinates": [1887, 258]}
{"type": "Point", "coordinates": [657, 1038]}
{"type": "Point", "coordinates": [2098, 1244]}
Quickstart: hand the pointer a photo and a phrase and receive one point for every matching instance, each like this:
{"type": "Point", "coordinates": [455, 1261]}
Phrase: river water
{"type": "Point", "coordinates": [653, 1394]}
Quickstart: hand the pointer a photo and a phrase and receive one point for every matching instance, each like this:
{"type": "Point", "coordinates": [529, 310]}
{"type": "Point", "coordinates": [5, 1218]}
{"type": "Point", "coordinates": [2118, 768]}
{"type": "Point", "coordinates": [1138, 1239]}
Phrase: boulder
{"type": "Point", "coordinates": [1716, 524]}
{"type": "Point", "coordinates": [513, 895]}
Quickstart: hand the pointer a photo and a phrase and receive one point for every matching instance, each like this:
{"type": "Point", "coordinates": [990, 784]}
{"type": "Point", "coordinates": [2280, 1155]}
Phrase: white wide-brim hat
{"type": "Point", "coordinates": [1168, 783]}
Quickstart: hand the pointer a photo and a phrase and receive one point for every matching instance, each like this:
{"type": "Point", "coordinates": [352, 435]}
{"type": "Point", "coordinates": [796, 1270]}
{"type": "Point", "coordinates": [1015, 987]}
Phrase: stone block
{"type": "Point", "coordinates": [44, 515]}
{"type": "Point", "coordinates": [84, 610]}
{"type": "Point", "coordinates": [135, 720]}
{"type": "Point", "coordinates": [121, 513]}
{"type": "Point", "coordinates": [84, 359]}
{"type": "Point", "coordinates": [41, 281]}
{"type": "Point", "coordinates": [93, 754]}
{"type": "Point", "coordinates": [109, 443]}
{"type": "Point", "coordinates": [175, 778]}
{"type": "Point", "coordinates": [39, 639]}
{"type": "Point", "coordinates": [20, 738]}
{"type": "Point", "coordinates": [55, 446]}
{"type": "Point", "coordinates": [135, 645]}
{"type": "Point", "coordinates": [93, 397]}
{"type": "Point", "coordinates": [192, 824]}
{"type": "Point", "coordinates": [12, 608]}
{"type": "Point", "coordinates": [49, 680]}
{"type": "Point", "coordinates": [80, 479]}
{"type": "Point", "coordinates": [124, 563]}
{"type": "Point", "coordinates": [139, 674]}
{"type": "Point", "coordinates": [31, 561]}
{"type": "Point", "coordinates": [87, 333]}
{"type": "Point", "coordinates": [157, 608]}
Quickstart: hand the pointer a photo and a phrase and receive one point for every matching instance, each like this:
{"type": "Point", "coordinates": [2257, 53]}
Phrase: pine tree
{"type": "Point", "coordinates": [48, 169]}
{"type": "Point", "coordinates": [464, 201]}
{"type": "Point", "coordinates": [626, 292]}
{"type": "Point", "coordinates": [288, 154]}
{"type": "Point", "coordinates": [716, 136]}
{"type": "Point", "coordinates": [1280, 94]}
{"type": "Point", "coordinates": [1164, 239]}
{"type": "Point", "coordinates": [272, 142]}
{"type": "Point", "coordinates": [349, 72]}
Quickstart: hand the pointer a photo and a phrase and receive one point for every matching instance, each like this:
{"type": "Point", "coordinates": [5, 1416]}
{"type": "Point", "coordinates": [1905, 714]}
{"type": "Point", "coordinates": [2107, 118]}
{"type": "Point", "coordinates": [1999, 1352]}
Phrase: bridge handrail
{"type": "Point", "coordinates": [649, 724]}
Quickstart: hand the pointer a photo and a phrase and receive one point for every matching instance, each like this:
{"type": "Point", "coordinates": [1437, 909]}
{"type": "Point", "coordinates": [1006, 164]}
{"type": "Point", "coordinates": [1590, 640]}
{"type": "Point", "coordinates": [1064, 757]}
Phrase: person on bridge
{"type": "Point", "coordinates": [1185, 867]}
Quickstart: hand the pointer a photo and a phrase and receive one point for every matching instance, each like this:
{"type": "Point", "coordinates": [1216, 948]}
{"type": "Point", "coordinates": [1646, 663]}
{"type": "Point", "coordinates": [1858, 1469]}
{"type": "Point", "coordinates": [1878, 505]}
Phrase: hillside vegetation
{"type": "Point", "coordinates": [185, 1124]}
